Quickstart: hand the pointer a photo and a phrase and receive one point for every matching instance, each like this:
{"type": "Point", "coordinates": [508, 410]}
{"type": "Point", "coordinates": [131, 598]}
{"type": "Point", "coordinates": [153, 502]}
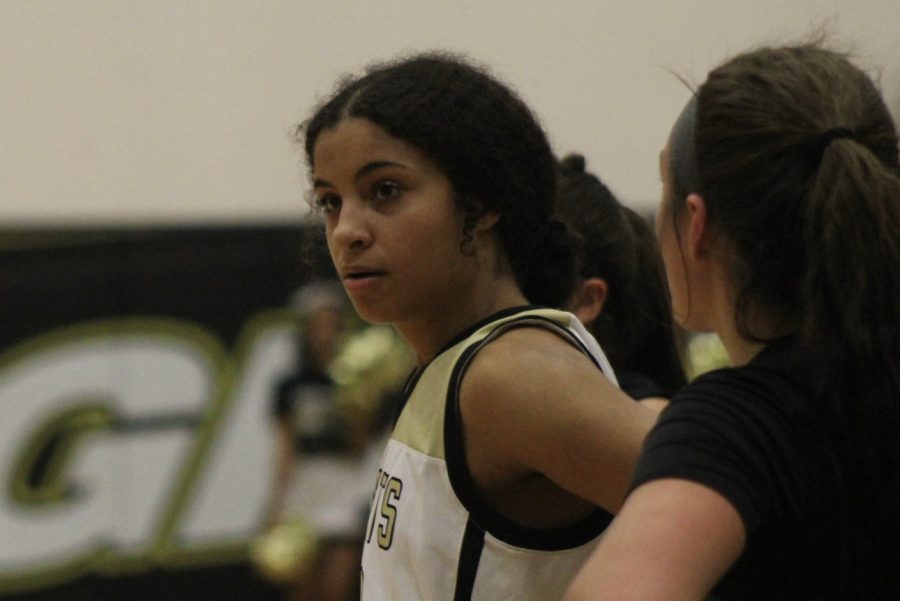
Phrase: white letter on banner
{"type": "Point", "coordinates": [152, 380]}
{"type": "Point", "coordinates": [241, 458]}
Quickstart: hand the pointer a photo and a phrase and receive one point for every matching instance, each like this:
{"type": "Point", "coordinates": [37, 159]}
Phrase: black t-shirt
{"type": "Point", "coordinates": [307, 399]}
{"type": "Point", "coordinates": [751, 434]}
{"type": "Point", "coordinates": [638, 386]}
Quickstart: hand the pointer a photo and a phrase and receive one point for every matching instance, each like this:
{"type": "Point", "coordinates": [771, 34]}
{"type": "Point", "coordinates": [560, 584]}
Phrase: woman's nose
{"type": "Point", "coordinates": [351, 229]}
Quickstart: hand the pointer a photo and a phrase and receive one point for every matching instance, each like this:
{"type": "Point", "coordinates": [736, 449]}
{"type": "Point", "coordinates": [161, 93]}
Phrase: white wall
{"type": "Point", "coordinates": [169, 110]}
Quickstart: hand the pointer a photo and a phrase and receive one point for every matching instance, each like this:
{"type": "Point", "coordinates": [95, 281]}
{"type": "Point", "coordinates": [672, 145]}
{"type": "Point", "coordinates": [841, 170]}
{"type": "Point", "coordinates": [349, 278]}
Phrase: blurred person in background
{"type": "Point", "coordinates": [621, 296]}
{"type": "Point", "coordinates": [315, 515]}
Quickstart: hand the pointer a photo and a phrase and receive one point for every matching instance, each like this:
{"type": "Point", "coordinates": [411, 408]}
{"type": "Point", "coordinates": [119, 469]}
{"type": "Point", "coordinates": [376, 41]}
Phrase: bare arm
{"type": "Point", "coordinates": [533, 403]}
{"type": "Point", "coordinates": [284, 464]}
{"type": "Point", "coordinates": [672, 541]}
{"type": "Point", "coordinates": [655, 403]}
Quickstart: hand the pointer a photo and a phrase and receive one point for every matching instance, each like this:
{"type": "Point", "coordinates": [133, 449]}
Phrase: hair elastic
{"type": "Point", "coordinates": [817, 148]}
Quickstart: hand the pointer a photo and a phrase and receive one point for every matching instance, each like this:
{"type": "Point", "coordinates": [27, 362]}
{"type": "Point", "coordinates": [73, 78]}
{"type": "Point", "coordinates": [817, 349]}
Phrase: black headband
{"type": "Point", "coordinates": [683, 151]}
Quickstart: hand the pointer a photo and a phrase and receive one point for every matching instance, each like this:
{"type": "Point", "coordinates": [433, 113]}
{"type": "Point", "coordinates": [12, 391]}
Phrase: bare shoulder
{"type": "Point", "coordinates": [530, 372]}
{"type": "Point", "coordinates": [532, 353]}
{"type": "Point", "coordinates": [532, 401]}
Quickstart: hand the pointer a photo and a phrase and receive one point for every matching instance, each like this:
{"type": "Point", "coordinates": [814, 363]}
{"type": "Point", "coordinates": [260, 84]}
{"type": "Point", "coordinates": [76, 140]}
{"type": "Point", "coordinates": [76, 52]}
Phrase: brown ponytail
{"type": "Point", "coordinates": [799, 162]}
{"type": "Point", "coordinates": [851, 300]}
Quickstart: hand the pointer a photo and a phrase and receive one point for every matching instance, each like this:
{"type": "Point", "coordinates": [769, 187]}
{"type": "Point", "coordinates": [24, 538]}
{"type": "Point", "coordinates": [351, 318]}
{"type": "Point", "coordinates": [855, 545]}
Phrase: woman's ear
{"type": "Point", "coordinates": [588, 300]}
{"type": "Point", "coordinates": [700, 234]}
{"type": "Point", "coordinates": [476, 229]}
{"type": "Point", "coordinates": [487, 220]}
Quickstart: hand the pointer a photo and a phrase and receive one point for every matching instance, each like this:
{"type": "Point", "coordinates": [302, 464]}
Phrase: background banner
{"type": "Point", "coordinates": [136, 368]}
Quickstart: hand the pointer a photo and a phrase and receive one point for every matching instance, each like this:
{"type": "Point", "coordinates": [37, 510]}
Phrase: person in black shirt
{"type": "Point", "coordinates": [777, 478]}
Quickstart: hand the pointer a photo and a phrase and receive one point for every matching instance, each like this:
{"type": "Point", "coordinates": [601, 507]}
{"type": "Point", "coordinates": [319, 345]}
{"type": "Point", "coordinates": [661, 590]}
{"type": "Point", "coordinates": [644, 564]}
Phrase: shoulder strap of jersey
{"type": "Point", "coordinates": [489, 519]}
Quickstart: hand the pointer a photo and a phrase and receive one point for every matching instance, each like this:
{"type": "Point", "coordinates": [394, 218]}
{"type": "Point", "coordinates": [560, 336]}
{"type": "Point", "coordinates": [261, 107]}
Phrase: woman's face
{"type": "Point", "coordinates": [393, 229]}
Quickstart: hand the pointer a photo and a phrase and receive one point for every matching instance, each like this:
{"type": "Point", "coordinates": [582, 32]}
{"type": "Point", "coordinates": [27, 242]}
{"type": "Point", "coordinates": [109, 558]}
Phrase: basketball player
{"type": "Point", "coordinates": [514, 445]}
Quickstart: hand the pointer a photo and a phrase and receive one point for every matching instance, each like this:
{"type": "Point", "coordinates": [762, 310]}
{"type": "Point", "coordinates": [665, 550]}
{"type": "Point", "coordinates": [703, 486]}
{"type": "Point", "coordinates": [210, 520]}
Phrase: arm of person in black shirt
{"type": "Point", "coordinates": [672, 541]}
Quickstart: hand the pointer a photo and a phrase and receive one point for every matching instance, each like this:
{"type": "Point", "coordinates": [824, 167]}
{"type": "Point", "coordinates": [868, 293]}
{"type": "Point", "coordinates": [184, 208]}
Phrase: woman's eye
{"type": "Point", "coordinates": [385, 190]}
{"type": "Point", "coordinates": [327, 203]}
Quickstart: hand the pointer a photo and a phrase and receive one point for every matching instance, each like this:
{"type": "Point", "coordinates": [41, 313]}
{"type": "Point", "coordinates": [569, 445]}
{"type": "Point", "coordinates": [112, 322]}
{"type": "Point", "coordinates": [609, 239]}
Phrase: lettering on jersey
{"type": "Point", "coordinates": [383, 515]}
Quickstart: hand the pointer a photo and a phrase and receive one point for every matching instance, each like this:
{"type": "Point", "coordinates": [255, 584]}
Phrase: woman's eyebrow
{"type": "Point", "coordinates": [374, 166]}
{"type": "Point", "coordinates": [361, 172]}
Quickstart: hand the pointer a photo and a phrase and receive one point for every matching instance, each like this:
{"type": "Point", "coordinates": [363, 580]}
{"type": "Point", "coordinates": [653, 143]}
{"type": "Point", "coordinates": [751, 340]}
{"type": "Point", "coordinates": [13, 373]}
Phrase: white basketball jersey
{"type": "Point", "coordinates": [430, 535]}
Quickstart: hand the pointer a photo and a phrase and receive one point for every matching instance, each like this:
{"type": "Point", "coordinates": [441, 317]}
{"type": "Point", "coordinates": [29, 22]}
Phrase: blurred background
{"type": "Point", "coordinates": [153, 237]}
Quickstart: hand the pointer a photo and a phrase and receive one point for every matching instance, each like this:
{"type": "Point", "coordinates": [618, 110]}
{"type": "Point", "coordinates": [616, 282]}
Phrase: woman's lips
{"type": "Point", "coordinates": [361, 280]}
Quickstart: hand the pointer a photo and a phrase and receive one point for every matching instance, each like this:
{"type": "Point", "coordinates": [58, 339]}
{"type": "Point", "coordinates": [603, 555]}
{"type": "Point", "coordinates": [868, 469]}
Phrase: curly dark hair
{"type": "Point", "coordinates": [487, 142]}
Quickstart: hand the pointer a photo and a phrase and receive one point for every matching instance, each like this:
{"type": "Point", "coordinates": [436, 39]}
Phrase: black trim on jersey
{"type": "Point", "coordinates": [469, 558]}
{"type": "Point", "coordinates": [408, 387]}
{"type": "Point", "coordinates": [417, 373]}
{"type": "Point", "coordinates": [482, 512]}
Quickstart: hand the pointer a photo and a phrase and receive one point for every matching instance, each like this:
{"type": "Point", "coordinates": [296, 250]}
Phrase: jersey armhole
{"type": "Point", "coordinates": [482, 512]}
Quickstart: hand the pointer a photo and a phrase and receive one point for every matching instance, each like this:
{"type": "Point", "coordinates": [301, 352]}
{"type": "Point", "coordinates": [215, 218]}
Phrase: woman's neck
{"type": "Point", "coordinates": [741, 349]}
{"type": "Point", "coordinates": [757, 321]}
{"type": "Point", "coordinates": [428, 338]}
